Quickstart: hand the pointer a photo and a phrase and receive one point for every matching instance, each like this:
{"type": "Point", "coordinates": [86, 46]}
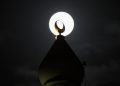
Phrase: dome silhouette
{"type": "Point", "coordinates": [61, 67]}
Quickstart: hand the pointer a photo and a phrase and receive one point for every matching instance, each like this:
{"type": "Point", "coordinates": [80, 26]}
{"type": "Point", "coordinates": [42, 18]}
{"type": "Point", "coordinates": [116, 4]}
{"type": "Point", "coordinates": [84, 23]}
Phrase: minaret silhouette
{"type": "Point", "coordinates": [61, 67]}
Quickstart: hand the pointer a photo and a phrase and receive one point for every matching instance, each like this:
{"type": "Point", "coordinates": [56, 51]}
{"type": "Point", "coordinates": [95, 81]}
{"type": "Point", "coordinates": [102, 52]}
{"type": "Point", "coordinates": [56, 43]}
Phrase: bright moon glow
{"type": "Point", "coordinates": [61, 18]}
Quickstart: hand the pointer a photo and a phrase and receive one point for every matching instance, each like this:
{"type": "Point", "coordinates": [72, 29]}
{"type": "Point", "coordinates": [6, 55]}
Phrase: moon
{"type": "Point", "coordinates": [63, 18]}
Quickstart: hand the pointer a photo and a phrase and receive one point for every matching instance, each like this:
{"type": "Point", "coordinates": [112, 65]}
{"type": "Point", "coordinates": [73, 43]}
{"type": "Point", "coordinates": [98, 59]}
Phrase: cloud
{"type": "Point", "coordinates": [113, 28]}
{"type": "Point", "coordinates": [101, 46]}
{"type": "Point", "coordinates": [104, 75]}
{"type": "Point", "coordinates": [23, 76]}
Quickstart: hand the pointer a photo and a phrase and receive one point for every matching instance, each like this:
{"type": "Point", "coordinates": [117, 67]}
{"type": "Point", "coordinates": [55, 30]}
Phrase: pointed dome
{"type": "Point", "coordinates": [61, 66]}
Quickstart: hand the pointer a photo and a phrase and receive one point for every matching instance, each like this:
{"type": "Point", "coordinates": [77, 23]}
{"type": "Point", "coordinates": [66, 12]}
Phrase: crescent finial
{"type": "Point", "coordinates": [59, 29]}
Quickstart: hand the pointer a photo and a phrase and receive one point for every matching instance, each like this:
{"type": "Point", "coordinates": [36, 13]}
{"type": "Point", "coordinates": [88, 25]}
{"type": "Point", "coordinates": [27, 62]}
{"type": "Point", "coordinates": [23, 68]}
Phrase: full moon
{"type": "Point", "coordinates": [62, 18]}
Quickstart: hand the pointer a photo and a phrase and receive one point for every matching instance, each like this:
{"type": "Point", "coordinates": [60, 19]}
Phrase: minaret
{"type": "Point", "coordinates": [61, 67]}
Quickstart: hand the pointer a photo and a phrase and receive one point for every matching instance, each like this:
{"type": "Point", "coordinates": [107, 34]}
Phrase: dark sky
{"type": "Point", "coordinates": [25, 39]}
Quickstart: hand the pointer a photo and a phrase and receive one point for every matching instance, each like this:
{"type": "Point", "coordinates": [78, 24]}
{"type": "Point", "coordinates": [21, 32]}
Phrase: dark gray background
{"type": "Point", "coordinates": [25, 39]}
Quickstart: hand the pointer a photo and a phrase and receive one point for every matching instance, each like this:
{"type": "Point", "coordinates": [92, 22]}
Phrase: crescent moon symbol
{"type": "Point", "coordinates": [59, 29]}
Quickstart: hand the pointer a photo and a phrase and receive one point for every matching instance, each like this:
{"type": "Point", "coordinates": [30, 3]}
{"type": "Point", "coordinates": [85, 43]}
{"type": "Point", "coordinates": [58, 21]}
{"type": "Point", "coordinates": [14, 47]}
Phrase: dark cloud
{"type": "Point", "coordinates": [99, 47]}
{"type": "Point", "coordinates": [103, 75]}
{"type": "Point", "coordinates": [24, 76]}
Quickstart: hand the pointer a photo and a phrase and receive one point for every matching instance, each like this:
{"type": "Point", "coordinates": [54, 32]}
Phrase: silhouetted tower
{"type": "Point", "coordinates": [61, 67]}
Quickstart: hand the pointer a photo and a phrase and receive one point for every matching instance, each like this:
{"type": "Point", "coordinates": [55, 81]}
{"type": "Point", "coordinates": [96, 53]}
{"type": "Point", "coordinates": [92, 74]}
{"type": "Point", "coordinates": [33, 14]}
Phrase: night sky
{"type": "Point", "coordinates": [25, 39]}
